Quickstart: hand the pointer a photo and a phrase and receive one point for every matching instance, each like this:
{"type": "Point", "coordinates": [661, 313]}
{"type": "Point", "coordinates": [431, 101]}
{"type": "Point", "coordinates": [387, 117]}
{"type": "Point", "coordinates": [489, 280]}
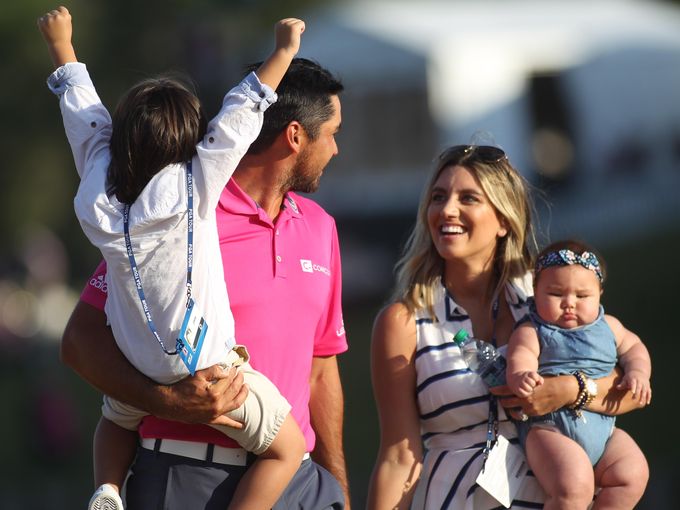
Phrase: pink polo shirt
{"type": "Point", "coordinates": [284, 285]}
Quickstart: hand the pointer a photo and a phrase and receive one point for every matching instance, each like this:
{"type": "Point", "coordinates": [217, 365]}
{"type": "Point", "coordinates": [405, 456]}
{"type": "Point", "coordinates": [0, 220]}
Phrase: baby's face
{"type": "Point", "coordinates": [568, 296]}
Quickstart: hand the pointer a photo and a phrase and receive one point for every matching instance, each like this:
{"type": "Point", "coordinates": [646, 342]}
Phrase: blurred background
{"type": "Point", "coordinates": [584, 96]}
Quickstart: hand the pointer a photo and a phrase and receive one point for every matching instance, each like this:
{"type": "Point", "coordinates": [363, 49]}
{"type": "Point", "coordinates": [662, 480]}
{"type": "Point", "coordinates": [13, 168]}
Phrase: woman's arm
{"type": "Point", "coordinates": [562, 390]}
{"type": "Point", "coordinates": [393, 374]}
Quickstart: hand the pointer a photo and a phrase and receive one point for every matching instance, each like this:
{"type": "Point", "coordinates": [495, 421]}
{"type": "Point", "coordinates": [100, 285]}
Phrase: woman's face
{"type": "Point", "coordinates": [462, 222]}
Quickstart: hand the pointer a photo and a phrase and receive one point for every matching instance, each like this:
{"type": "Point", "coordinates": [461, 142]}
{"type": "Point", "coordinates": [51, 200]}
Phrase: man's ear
{"type": "Point", "coordinates": [295, 136]}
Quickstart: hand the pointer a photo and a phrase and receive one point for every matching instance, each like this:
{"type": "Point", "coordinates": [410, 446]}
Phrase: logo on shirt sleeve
{"type": "Point", "coordinates": [341, 330]}
{"type": "Point", "coordinates": [99, 283]}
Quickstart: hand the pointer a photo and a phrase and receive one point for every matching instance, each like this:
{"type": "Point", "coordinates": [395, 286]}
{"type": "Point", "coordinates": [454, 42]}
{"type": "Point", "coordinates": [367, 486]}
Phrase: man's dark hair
{"type": "Point", "coordinates": [304, 96]}
{"type": "Point", "coordinates": [158, 122]}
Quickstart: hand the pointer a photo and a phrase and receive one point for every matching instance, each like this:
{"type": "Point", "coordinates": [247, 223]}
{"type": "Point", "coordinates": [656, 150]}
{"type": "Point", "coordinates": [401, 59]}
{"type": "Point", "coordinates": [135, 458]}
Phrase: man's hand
{"type": "Point", "coordinates": [205, 397]}
{"type": "Point", "coordinates": [57, 30]}
{"type": "Point", "coordinates": [88, 344]}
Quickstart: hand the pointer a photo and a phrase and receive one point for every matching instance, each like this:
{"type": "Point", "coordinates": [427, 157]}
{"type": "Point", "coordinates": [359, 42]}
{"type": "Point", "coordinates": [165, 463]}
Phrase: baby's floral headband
{"type": "Point", "coordinates": [567, 258]}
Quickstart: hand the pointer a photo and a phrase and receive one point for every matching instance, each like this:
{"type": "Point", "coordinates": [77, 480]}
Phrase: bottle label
{"type": "Point", "coordinates": [493, 374]}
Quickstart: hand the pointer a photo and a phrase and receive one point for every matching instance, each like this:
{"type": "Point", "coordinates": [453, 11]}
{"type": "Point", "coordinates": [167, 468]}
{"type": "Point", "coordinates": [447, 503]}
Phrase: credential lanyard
{"type": "Point", "coordinates": [190, 260]}
{"type": "Point", "coordinates": [492, 423]}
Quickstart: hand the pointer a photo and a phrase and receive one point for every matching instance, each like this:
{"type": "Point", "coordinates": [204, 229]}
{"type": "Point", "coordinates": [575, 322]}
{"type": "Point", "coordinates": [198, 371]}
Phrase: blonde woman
{"type": "Point", "coordinates": [466, 266]}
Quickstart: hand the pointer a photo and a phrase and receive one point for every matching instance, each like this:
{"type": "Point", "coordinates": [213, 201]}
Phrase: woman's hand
{"type": "Point", "coordinates": [553, 394]}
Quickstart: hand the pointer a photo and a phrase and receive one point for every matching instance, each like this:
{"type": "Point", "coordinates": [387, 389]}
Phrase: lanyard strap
{"type": "Point", "coordinates": [190, 257]}
{"type": "Point", "coordinates": [492, 423]}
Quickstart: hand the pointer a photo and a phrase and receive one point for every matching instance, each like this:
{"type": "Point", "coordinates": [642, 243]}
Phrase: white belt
{"type": "Point", "coordinates": [199, 451]}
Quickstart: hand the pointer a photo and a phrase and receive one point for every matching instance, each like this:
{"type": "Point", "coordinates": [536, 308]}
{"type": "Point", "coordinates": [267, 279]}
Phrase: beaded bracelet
{"type": "Point", "coordinates": [584, 397]}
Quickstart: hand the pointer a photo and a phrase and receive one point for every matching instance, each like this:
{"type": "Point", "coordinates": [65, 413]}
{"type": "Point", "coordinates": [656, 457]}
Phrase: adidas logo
{"type": "Point", "coordinates": [99, 283]}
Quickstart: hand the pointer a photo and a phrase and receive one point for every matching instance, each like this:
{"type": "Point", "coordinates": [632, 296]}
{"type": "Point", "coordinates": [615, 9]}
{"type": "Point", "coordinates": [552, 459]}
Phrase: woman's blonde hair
{"type": "Point", "coordinates": [420, 269]}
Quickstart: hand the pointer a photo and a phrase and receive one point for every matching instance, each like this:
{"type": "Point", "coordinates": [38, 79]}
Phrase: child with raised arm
{"type": "Point", "coordinates": [151, 178]}
{"type": "Point", "coordinates": [569, 333]}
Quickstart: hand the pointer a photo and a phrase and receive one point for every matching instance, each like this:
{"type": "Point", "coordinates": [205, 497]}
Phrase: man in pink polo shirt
{"type": "Point", "coordinates": [282, 267]}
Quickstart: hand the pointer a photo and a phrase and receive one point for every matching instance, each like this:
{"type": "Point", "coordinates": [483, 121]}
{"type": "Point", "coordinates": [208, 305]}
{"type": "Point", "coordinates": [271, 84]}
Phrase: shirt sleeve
{"type": "Point", "coordinates": [229, 135]}
{"type": "Point", "coordinates": [86, 121]}
{"type": "Point", "coordinates": [95, 290]}
{"type": "Point", "coordinates": [331, 339]}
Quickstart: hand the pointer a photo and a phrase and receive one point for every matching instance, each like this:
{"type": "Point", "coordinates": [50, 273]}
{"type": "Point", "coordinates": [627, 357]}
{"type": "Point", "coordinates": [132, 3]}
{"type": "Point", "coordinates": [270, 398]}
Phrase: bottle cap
{"type": "Point", "coordinates": [460, 337]}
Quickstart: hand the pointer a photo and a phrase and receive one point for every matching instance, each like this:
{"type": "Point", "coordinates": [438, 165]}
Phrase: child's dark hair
{"type": "Point", "coordinates": [575, 246]}
{"type": "Point", "coordinates": [304, 95]}
{"type": "Point", "coordinates": [158, 122]}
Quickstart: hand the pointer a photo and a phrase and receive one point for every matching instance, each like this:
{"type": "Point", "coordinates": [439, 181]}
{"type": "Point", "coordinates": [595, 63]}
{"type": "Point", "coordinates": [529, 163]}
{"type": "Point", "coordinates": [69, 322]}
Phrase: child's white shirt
{"type": "Point", "coordinates": [158, 223]}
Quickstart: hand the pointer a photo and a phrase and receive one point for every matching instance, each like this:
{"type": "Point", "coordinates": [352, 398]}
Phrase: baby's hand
{"type": "Point", "coordinates": [56, 26]}
{"type": "Point", "coordinates": [638, 383]}
{"type": "Point", "coordinates": [288, 33]}
{"type": "Point", "coordinates": [523, 383]}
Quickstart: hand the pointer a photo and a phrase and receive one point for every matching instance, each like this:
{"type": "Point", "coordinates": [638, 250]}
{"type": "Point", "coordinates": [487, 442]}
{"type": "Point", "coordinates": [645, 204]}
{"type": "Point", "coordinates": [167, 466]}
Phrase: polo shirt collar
{"type": "Point", "coordinates": [291, 206]}
{"type": "Point", "coordinates": [236, 201]}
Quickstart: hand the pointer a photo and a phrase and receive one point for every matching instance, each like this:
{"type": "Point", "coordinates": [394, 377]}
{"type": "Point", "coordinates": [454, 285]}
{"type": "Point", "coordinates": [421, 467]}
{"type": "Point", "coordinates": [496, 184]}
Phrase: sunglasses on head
{"type": "Point", "coordinates": [483, 153]}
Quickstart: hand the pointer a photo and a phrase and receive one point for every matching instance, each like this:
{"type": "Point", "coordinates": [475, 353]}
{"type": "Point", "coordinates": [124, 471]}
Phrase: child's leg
{"type": "Point", "coordinates": [114, 451]}
{"type": "Point", "coordinates": [561, 467]}
{"type": "Point", "coordinates": [622, 473]}
{"type": "Point", "coordinates": [266, 479]}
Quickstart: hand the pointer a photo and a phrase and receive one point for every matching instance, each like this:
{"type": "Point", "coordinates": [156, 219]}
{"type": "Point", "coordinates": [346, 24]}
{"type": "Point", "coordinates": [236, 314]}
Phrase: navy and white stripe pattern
{"type": "Point", "coordinates": [454, 408]}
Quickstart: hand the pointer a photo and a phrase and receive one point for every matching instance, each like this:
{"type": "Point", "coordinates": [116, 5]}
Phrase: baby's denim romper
{"type": "Point", "coordinates": [590, 349]}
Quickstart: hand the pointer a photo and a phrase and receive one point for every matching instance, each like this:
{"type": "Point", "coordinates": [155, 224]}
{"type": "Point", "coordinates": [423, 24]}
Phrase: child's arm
{"type": "Point", "coordinates": [86, 121]}
{"type": "Point", "coordinates": [523, 352]}
{"type": "Point", "coordinates": [56, 29]}
{"type": "Point", "coordinates": [288, 32]}
{"type": "Point", "coordinates": [230, 133]}
{"type": "Point", "coordinates": [634, 359]}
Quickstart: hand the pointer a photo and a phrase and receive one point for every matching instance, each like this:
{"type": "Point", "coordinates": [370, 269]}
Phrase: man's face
{"type": "Point", "coordinates": [316, 154]}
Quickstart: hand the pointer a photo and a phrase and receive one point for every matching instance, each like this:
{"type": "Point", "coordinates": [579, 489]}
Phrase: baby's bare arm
{"type": "Point", "coordinates": [523, 351]}
{"type": "Point", "coordinates": [57, 30]}
{"type": "Point", "coordinates": [635, 361]}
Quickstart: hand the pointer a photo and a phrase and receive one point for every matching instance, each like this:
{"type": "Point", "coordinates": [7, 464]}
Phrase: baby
{"type": "Point", "coordinates": [569, 333]}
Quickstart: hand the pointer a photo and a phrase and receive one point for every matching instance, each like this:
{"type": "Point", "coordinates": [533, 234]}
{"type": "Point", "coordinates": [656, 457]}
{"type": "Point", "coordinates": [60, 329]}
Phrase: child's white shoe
{"type": "Point", "coordinates": [105, 498]}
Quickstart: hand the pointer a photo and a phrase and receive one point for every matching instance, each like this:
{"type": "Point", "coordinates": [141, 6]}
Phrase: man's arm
{"type": "Point", "coordinates": [326, 408]}
{"type": "Point", "coordinates": [88, 347]}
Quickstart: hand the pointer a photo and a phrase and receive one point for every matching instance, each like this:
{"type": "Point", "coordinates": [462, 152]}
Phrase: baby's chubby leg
{"type": "Point", "coordinates": [561, 467]}
{"type": "Point", "coordinates": [622, 473]}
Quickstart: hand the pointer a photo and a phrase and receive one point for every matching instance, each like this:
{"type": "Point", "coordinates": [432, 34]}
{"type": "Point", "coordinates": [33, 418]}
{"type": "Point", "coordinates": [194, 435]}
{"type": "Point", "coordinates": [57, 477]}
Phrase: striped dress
{"type": "Point", "coordinates": [454, 409]}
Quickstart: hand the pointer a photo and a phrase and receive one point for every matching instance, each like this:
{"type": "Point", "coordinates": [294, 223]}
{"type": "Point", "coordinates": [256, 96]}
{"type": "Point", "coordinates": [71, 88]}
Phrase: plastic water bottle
{"type": "Point", "coordinates": [482, 358]}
